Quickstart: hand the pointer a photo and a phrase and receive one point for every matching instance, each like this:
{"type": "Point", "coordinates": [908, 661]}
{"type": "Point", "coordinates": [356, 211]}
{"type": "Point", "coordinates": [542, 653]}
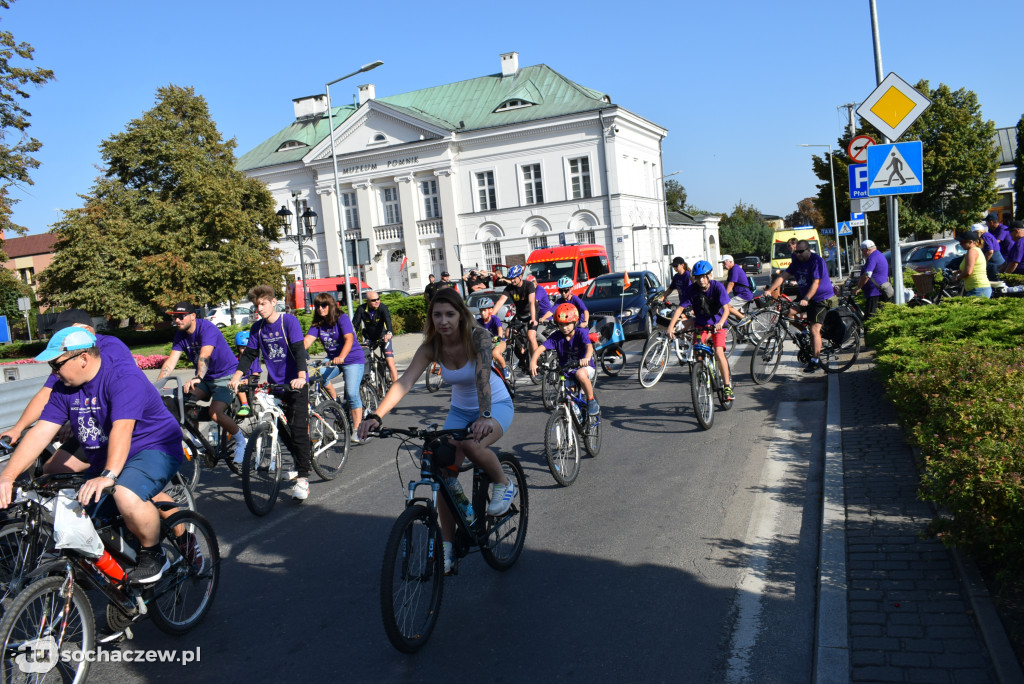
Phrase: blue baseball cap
{"type": "Point", "coordinates": [68, 339]}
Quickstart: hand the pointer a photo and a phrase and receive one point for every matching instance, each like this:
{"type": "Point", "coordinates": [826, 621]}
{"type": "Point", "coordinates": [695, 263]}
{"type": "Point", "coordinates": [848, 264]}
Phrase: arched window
{"type": "Point", "coordinates": [290, 145]}
{"type": "Point", "coordinates": [514, 103]}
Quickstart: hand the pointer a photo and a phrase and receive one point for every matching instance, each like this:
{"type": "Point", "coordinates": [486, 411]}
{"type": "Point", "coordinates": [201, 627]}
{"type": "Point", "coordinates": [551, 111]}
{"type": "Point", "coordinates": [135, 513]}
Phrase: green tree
{"type": "Point", "coordinates": [16, 160]}
{"type": "Point", "coordinates": [675, 196]}
{"type": "Point", "coordinates": [10, 290]}
{"type": "Point", "coordinates": [744, 231]}
{"type": "Point", "coordinates": [806, 214]}
{"type": "Point", "coordinates": [1018, 178]}
{"type": "Point", "coordinates": [170, 220]}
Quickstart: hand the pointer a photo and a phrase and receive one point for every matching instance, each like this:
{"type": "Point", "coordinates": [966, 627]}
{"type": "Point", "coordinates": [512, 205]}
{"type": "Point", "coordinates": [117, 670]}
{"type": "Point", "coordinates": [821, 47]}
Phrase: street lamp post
{"type": "Point", "coordinates": [337, 185]}
{"type": "Point", "coordinates": [835, 212]}
{"type": "Point", "coordinates": [305, 227]}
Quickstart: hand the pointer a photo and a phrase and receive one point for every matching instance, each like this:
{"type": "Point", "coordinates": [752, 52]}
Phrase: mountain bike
{"type": "Point", "coordinates": [838, 352]}
{"type": "Point", "coordinates": [706, 379]}
{"type": "Point", "coordinates": [51, 619]}
{"type": "Point", "coordinates": [263, 464]}
{"type": "Point", "coordinates": [412, 572]}
{"type": "Point", "coordinates": [752, 327]}
{"type": "Point", "coordinates": [567, 426]}
{"type": "Point", "coordinates": [659, 349]}
{"type": "Point", "coordinates": [377, 375]}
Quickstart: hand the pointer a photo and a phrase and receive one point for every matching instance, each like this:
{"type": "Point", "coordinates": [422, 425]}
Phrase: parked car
{"type": "Point", "coordinates": [606, 297]}
{"type": "Point", "coordinates": [928, 255]}
{"type": "Point", "coordinates": [474, 299]}
{"type": "Point", "coordinates": [752, 264]}
{"type": "Point", "coordinates": [221, 316]}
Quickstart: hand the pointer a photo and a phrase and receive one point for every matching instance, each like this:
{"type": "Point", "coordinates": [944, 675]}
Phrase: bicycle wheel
{"type": "Point", "coordinates": [592, 436]}
{"type": "Point", "coordinates": [178, 490]}
{"type": "Point", "coordinates": [561, 447]}
{"type": "Point", "coordinates": [412, 579]}
{"type": "Point", "coordinates": [654, 361]}
{"type": "Point", "coordinates": [17, 557]}
{"type": "Point", "coordinates": [720, 381]}
{"type": "Point", "coordinates": [47, 633]}
{"type": "Point", "coordinates": [433, 377]}
{"type": "Point", "coordinates": [766, 357]}
{"type": "Point", "coordinates": [507, 536]}
{"type": "Point", "coordinates": [730, 340]}
{"type": "Point", "coordinates": [702, 394]}
{"type": "Point", "coordinates": [261, 471]}
{"type": "Point", "coordinates": [837, 358]}
{"type": "Point", "coordinates": [190, 467]}
{"type": "Point", "coordinates": [329, 433]}
{"type": "Point", "coordinates": [369, 398]}
{"type": "Point", "coordinates": [853, 323]}
{"type": "Point", "coordinates": [761, 321]}
{"type": "Point", "coordinates": [547, 360]}
{"type": "Point", "coordinates": [185, 593]}
{"type": "Point", "coordinates": [549, 388]}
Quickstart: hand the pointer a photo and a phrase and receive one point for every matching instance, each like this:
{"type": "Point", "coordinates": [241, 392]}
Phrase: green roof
{"type": "Point", "coordinates": [463, 106]}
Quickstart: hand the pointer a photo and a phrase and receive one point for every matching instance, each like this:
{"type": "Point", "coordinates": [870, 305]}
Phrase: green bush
{"type": "Point", "coordinates": [1012, 279]}
{"type": "Point", "coordinates": [408, 314]}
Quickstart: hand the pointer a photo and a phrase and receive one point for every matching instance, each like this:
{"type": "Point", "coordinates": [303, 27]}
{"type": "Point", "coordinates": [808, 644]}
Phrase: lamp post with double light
{"type": "Point", "coordinates": [305, 227]}
{"type": "Point", "coordinates": [835, 212]}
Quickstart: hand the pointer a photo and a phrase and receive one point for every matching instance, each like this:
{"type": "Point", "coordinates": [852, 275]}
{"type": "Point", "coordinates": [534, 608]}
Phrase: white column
{"type": "Point", "coordinates": [366, 203]}
{"type": "Point", "coordinates": [446, 188]}
{"type": "Point", "coordinates": [407, 195]}
{"type": "Point", "coordinates": [332, 230]}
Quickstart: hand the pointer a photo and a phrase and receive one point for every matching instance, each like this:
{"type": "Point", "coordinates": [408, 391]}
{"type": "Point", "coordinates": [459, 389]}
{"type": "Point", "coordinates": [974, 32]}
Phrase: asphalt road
{"type": "Point", "coordinates": [678, 555]}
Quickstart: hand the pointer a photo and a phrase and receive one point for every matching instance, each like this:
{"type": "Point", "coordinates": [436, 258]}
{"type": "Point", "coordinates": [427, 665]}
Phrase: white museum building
{"type": "Point", "coordinates": [473, 174]}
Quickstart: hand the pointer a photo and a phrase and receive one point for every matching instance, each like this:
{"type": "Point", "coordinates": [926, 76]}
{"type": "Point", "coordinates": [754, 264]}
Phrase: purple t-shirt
{"type": "Point", "coordinates": [742, 287]}
{"type": "Point", "coordinates": [990, 242]}
{"type": "Point", "coordinates": [680, 281]}
{"type": "Point", "coordinates": [274, 341]}
{"type": "Point", "coordinates": [1016, 255]}
{"type": "Point", "coordinates": [112, 351]}
{"type": "Point", "coordinates": [1002, 235]}
{"type": "Point", "coordinates": [574, 300]}
{"type": "Point", "coordinates": [807, 272]}
{"type": "Point", "coordinates": [492, 326]}
{"type": "Point", "coordinates": [570, 349]}
{"type": "Point", "coordinates": [333, 339]}
{"type": "Point", "coordinates": [222, 362]}
{"type": "Point", "coordinates": [115, 395]}
{"type": "Point", "coordinates": [877, 268]}
{"type": "Point", "coordinates": [544, 304]}
{"type": "Point", "coordinates": [715, 298]}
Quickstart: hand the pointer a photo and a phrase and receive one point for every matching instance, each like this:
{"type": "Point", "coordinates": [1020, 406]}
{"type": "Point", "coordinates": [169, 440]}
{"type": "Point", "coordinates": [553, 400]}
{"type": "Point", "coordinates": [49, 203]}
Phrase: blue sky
{"type": "Point", "coordinates": [738, 84]}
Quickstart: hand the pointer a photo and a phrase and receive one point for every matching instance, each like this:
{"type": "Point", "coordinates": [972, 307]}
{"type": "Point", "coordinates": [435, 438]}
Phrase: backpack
{"type": "Point", "coordinates": [833, 328]}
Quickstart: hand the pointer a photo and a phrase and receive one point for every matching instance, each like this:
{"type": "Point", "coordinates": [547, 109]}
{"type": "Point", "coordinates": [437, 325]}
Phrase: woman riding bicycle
{"type": "Point", "coordinates": [479, 397]}
{"type": "Point", "coordinates": [334, 330]}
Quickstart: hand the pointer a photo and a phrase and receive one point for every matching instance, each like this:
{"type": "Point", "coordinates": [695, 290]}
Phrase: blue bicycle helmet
{"type": "Point", "coordinates": [565, 283]}
{"type": "Point", "coordinates": [485, 303]}
{"type": "Point", "coordinates": [515, 272]}
{"type": "Point", "coordinates": [242, 338]}
{"type": "Point", "coordinates": [702, 267]}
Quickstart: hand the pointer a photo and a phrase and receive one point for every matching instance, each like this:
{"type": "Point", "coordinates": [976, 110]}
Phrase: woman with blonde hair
{"type": "Point", "coordinates": [973, 268]}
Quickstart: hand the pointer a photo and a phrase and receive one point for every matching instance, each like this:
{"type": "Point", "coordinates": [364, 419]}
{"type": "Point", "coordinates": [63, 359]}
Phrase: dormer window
{"type": "Point", "coordinates": [514, 103]}
{"type": "Point", "coordinates": [290, 145]}
{"type": "Point", "coordinates": [379, 138]}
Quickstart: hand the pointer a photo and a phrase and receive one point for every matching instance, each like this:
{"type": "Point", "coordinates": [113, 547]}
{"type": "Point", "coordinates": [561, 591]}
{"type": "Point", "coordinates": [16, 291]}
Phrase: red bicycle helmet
{"type": "Point", "coordinates": [566, 313]}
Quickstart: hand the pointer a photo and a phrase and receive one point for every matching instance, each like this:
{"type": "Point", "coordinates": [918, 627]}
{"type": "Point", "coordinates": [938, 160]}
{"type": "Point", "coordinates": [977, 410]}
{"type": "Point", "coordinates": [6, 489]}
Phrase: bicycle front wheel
{"type": "Point", "coordinates": [507, 535]}
{"type": "Point", "coordinates": [766, 357]}
{"type": "Point", "coordinates": [433, 378]}
{"type": "Point", "coordinates": [42, 628]}
{"type": "Point", "coordinates": [654, 361]}
{"type": "Point", "coordinates": [613, 360]}
{"type": "Point", "coordinates": [562, 448]}
{"type": "Point", "coordinates": [837, 358]}
{"type": "Point", "coordinates": [190, 467]}
{"type": "Point", "coordinates": [329, 433]}
{"type": "Point", "coordinates": [369, 397]}
{"type": "Point", "coordinates": [761, 321]}
{"type": "Point", "coordinates": [184, 595]}
{"type": "Point", "coordinates": [179, 491]}
{"type": "Point", "coordinates": [549, 388]}
{"type": "Point", "coordinates": [412, 579]}
{"type": "Point", "coordinates": [261, 470]}
{"type": "Point", "coordinates": [592, 435]}
{"type": "Point", "coordinates": [702, 394]}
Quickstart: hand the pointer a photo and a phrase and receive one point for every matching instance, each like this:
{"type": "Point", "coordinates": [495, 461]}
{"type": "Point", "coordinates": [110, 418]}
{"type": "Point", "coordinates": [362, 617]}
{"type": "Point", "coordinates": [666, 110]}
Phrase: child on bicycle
{"type": "Point", "coordinates": [241, 340]}
{"type": "Point", "coordinates": [575, 352]}
{"type": "Point", "coordinates": [711, 307]}
{"type": "Point", "coordinates": [565, 295]}
{"type": "Point", "coordinates": [492, 324]}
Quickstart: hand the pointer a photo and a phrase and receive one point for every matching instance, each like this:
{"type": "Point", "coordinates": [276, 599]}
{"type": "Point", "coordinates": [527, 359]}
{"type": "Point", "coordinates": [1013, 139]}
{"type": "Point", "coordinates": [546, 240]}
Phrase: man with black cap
{"type": "Point", "coordinates": [680, 279]}
{"type": "Point", "coordinates": [1000, 232]}
{"type": "Point", "coordinates": [428, 292]}
{"type": "Point", "coordinates": [445, 281]}
{"type": "Point", "coordinates": [1015, 257]}
{"type": "Point", "coordinates": [205, 346]}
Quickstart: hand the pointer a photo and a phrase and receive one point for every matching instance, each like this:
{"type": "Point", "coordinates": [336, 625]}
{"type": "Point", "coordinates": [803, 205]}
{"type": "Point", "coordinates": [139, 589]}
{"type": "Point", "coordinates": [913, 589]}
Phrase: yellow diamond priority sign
{"type": "Point", "coordinates": [893, 106]}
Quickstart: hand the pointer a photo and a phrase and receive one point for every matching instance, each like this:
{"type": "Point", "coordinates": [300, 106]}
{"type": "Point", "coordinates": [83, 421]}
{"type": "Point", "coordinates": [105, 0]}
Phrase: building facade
{"type": "Point", "coordinates": [27, 256]}
{"type": "Point", "coordinates": [469, 175]}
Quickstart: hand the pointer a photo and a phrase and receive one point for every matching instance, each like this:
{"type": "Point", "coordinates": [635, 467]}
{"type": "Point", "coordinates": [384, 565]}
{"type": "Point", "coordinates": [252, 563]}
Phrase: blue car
{"type": "Point", "coordinates": [606, 297]}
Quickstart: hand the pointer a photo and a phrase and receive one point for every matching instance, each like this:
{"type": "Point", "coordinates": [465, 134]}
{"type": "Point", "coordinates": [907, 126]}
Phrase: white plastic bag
{"type": "Point", "coordinates": [72, 528]}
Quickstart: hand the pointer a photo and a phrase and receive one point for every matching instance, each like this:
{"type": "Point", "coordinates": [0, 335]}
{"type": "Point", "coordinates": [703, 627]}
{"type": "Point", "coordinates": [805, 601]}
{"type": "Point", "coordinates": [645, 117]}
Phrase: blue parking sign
{"type": "Point", "coordinates": [858, 181]}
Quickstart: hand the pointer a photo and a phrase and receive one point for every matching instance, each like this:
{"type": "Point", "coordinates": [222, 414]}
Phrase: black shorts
{"type": "Point", "coordinates": [816, 310]}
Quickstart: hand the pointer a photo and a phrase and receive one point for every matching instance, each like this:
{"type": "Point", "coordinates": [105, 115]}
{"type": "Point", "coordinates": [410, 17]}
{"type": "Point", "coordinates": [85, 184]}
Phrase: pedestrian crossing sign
{"type": "Point", "coordinates": [896, 169]}
{"type": "Point", "coordinates": [845, 229]}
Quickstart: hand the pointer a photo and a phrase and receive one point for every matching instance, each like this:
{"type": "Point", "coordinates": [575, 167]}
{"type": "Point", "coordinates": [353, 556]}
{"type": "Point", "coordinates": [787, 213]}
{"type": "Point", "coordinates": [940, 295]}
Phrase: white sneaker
{"type": "Point", "coordinates": [501, 498]}
{"type": "Point", "coordinates": [291, 474]}
{"type": "Point", "coordinates": [239, 447]}
{"type": "Point", "coordinates": [449, 557]}
{"type": "Point", "coordinates": [300, 492]}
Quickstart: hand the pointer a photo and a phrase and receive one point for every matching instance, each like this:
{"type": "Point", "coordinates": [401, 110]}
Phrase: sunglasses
{"type": "Point", "coordinates": [57, 365]}
{"type": "Point", "coordinates": [179, 317]}
{"type": "Point", "coordinates": [323, 306]}
{"type": "Point", "coordinates": [800, 251]}
{"type": "Point", "coordinates": [373, 300]}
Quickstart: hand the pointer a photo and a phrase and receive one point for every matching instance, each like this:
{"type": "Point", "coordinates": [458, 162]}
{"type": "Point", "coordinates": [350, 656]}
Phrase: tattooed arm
{"type": "Point", "coordinates": [483, 349]}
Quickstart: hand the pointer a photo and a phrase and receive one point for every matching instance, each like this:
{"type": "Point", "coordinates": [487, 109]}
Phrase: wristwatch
{"type": "Point", "coordinates": [110, 474]}
{"type": "Point", "coordinates": [485, 414]}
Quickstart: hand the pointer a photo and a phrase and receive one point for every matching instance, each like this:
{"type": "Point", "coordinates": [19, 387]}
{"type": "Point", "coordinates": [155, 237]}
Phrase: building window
{"type": "Point", "coordinates": [351, 209]}
{"type": "Point", "coordinates": [310, 271]}
{"type": "Point", "coordinates": [291, 145]}
{"type": "Point", "coordinates": [533, 187]}
{"type": "Point", "coordinates": [431, 202]}
{"type": "Point", "coordinates": [492, 254]}
{"type": "Point", "coordinates": [587, 237]}
{"type": "Point", "coordinates": [392, 206]}
{"type": "Point", "coordinates": [28, 275]}
{"type": "Point", "coordinates": [514, 103]}
{"type": "Point", "coordinates": [486, 196]}
{"type": "Point", "coordinates": [539, 242]}
{"type": "Point", "coordinates": [579, 175]}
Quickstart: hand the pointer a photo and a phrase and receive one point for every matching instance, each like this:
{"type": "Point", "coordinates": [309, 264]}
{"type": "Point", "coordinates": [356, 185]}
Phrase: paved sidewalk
{"type": "Point", "coordinates": [910, 616]}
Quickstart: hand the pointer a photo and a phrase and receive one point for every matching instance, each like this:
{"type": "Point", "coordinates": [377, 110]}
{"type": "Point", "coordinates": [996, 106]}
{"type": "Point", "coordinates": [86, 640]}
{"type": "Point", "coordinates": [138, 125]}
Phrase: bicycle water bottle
{"type": "Point", "coordinates": [459, 494]}
{"type": "Point", "coordinates": [577, 412]}
{"type": "Point", "coordinates": [109, 566]}
{"type": "Point", "coordinates": [215, 436]}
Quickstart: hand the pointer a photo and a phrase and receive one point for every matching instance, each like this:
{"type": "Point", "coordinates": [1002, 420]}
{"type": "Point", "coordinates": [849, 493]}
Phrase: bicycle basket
{"type": "Point", "coordinates": [833, 328]}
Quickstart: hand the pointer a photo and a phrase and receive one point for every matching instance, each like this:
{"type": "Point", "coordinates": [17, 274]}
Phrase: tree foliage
{"type": "Point", "coordinates": [1018, 178]}
{"type": "Point", "coordinates": [744, 231]}
{"type": "Point", "coordinates": [170, 220]}
{"type": "Point", "coordinates": [16, 160]}
{"type": "Point", "coordinates": [10, 290]}
{"type": "Point", "coordinates": [806, 214]}
{"type": "Point", "coordinates": [675, 196]}
{"type": "Point", "coordinates": [960, 163]}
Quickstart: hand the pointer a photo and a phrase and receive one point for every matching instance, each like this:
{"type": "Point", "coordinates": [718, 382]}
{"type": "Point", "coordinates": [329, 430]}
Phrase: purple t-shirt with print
{"type": "Point", "coordinates": [574, 300]}
{"type": "Point", "coordinates": [222, 362]}
{"type": "Point", "coordinates": [110, 396]}
{"type": "Point", "coordinates": [807, 272]}
{"type": "Point", "coordinates": [274, 340]}
{"type": "Point", "coordinates": [878, 269]}
{"type": "Point", "coordinates": [1016, 255]}
{"type": "Point", "coordinates": [570, 349]}
{"type": "Point", "coordinates": [333, 339]}
{"type": "Point", "coordinates": [112, 351]}
{"type": "Point", "coordinates": [715, 296]}
{"type": "Point", "coordinates": [741, 288]}
{"type": "Point", "coordinates": [492, 326]}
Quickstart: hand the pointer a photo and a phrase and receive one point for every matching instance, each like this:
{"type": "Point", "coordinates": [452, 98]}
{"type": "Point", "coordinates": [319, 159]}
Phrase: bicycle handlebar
{"type": "Point", "coordinates": [422, 433]}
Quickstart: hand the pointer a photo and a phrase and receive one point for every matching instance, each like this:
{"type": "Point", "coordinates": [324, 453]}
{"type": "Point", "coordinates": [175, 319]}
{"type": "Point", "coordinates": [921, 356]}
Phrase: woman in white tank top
{"type": "Point", "coordinates": [478, 394]}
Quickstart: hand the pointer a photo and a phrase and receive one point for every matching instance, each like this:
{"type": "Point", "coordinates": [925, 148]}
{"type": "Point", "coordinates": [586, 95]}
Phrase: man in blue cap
{"type": "Point", "coordinates": [128, 437]}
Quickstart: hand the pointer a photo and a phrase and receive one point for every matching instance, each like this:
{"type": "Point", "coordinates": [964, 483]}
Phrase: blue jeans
{"type": "Point", "coordinates": [983, 292]}
{"type": "Point", "coordinates": [353, 378]}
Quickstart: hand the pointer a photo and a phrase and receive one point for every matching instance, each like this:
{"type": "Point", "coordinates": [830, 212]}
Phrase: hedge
{"type": "Point", "coordinates": [956, 374]}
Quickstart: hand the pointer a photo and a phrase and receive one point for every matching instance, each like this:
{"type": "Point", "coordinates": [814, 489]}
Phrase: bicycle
{"type": "Point", "coordinates": [607, 337]}
{"type": "Point", "coordinates": [950, 287]}
{"type": "Point", "coordinates": [432, 377]}
{"type": "Point", "coordinates": [706, 380]}
{"type": "Point", "coordinates": [330, 427]}
{"type": "Point", "coordinates": [52, 617]}
{"type": "Point", "coordinates": [567, 425]}
{"type": "Point", "coordinates": [656, 354]}
{"type": "Point", "coordinates": [378, 375]}
{"type": "Point", "coordinates": [752, 327]}
{"type": "Point", "coordinates": [263, 462]}
{"type": "Point", "coordinates": [838, 353]}
{"type": "Point", "coordinates": [412, 572]}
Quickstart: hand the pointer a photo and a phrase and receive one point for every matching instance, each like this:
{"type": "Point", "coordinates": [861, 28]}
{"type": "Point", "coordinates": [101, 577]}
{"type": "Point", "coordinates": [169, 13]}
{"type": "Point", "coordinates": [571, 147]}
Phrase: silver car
{"type": "Point", "coordinates": [474, 299]}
